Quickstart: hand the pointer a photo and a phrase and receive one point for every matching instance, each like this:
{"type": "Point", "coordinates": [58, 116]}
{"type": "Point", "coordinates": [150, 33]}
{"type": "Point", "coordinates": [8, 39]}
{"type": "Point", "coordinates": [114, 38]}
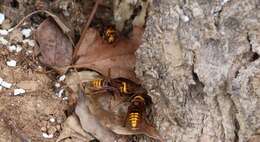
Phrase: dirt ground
{"type": "Point", "coordinates": [39, 112]}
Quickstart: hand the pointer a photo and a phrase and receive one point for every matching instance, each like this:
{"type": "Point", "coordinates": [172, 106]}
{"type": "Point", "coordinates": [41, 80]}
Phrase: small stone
{"type": "Point", "coordinates": [57, 85]}
{"type": "Point", "coordinates": [11, 48]}
{"type": "Point", "coordinates": [47, 136]}
{"type": "Point", "coordinates": [3, 41]}
{"type": "Point", "coordinates": [62, 78]}
{"type": "Point", "coordinates": [18, 48]}
{"type": "Point", "coordinates": [2, 18]}
{"type": "Point", "coordinates": [3, 32]}
{"type": "Point", "coordinates": [29, 42]}
{"type": "Point", "coordinates": [185, 18]}
{"type": "Point", "coordinates": [52, 120]}
{"type": "Point", "coordinates": [26, 32]}
{"type": "Point", "coordinates": [65, 98]}
{"type": "Point", "coordinates": [11, 63]}
{"type": "Point", "coordinates": [18, 91]}
{"type": "Point", "coordinates": [5, 84]}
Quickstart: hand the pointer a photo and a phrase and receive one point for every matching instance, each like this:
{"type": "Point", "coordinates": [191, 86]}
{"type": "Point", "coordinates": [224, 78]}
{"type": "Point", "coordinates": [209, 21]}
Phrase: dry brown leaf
{"type": "Point", "coordinates": [72, 130]}
{"type": "Point", "coordinates": [95, 53]}
{"type": "Point", "coordinates": [55, 47]}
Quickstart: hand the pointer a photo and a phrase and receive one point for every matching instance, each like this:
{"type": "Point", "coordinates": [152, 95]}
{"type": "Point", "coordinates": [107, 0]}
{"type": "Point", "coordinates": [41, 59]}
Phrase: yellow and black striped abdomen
{"type": "Point", "coordinates": [135, 111]}
{"type": "Point", "coordinates": [98, 83]}
{"type": "Point", "coordinates": [134, 119]}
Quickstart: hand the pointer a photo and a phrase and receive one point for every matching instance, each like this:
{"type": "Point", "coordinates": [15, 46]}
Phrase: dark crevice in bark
{"type": "Point", "coordinates": [236, 73]}
{"type": "Point", "coordinates": [254, 56]}
{"type": "Point", "coordinates": [217, 19]}
{"type": "Point", "coordinates": [237, 127]}
{"type": "Point", "coordinates": [249, 41]}
{"type": "Point", "coordinates": [196, 78]}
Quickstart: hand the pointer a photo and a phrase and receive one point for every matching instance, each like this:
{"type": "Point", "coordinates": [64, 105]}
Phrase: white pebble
{"type": "Point", "coordinates": [29, 42]}
{"type": "Point", "coordinates": [57, 85]}
{"type": "Point", "coordinates": [1, 88]}
{"type": "Point", "coordinates": [2, 18]}
{"type": "Point", "coordinates": [65, 98]}
{"type": "Point", "coordinates": [52, 120]}
{"type": "Point", "coordinates": [11, 63]}
{"type": "Point", "coordinates": [62, 78]}
{"type": "Point", "coordinates": [18, 91]}
{"type": "Point", "coordinates": [3, 41]}
{"type": "Point", "coordinates": [5, 84]}
{"type": "Point", "coordinates": [3, 32]}
{"type": "Point", "coordinates": [11, 48]}
{"type": "Point", "coordinates": [185, 18]}
{"type": "Point", "coordinates": [26, 32]}
{"type": "Point", "coordinates": [18, 48]}
{"type": "Point", "coordinates": [47, 136]}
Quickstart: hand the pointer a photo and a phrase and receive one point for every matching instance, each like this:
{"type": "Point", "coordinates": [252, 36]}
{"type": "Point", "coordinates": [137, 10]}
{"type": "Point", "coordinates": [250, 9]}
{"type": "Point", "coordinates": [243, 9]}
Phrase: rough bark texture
{"type": "Point", "coordinates": [199, 62]}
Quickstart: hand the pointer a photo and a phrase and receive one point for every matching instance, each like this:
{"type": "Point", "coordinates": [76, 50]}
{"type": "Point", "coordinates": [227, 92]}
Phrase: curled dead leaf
{"type": "Point", "coordinates": [55, 47]}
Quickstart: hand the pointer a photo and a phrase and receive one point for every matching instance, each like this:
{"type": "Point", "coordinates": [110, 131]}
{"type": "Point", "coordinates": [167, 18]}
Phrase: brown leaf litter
{"type": "Point", "coordinates": [96, 54]}
{"type": "Point", "coordinates": [55, 48]}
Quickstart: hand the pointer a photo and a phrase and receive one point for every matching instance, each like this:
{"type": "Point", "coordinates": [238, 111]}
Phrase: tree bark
{"type": "Point", "coordinates": [200, 63]}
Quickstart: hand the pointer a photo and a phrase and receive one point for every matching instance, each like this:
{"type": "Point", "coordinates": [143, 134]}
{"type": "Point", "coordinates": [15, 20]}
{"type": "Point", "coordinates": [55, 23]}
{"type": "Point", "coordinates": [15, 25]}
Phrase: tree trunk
{"type": "Point", "coordinates": [200, 63]}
